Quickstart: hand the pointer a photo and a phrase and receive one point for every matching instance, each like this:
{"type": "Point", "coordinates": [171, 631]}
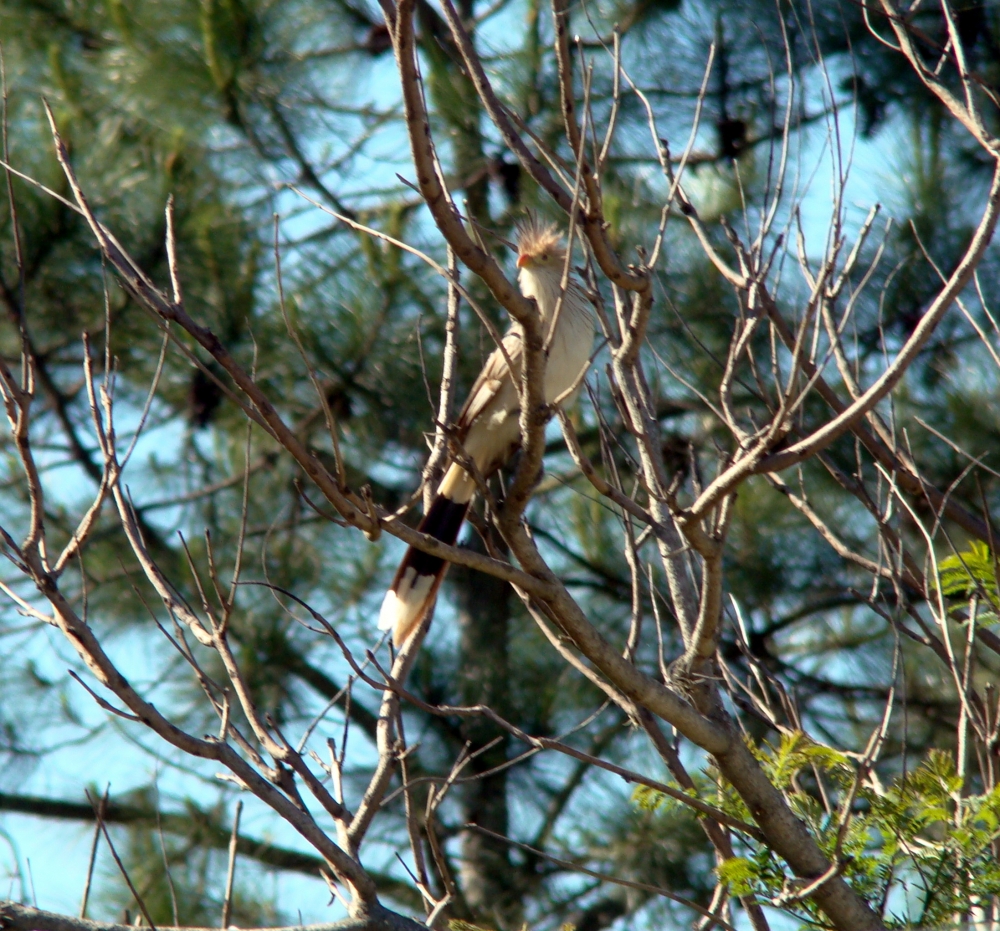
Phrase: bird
{"type": "Point", "coordinates": [488, 426]}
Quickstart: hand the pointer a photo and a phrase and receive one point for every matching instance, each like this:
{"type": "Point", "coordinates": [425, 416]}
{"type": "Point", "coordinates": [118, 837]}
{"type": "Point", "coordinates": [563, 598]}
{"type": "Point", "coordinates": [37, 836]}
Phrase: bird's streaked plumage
{"type": "Point", "coordinates": [488, 426]}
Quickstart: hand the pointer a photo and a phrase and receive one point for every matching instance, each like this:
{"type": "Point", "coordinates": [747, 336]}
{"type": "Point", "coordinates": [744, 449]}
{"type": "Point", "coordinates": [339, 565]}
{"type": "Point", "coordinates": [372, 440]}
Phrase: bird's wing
{"type": "Point", "coordinates": [491, 379]}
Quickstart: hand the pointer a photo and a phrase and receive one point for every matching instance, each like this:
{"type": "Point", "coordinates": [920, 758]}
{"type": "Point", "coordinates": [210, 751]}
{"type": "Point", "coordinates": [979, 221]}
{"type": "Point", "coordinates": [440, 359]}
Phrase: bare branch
{"type": "Point", "coordinates": [16, 917]}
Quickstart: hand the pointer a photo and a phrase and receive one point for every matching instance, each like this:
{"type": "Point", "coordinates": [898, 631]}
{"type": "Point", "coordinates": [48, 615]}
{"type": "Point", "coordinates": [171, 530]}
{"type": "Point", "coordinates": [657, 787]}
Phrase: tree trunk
{"type": "Point", "coordinates": [488, 877]}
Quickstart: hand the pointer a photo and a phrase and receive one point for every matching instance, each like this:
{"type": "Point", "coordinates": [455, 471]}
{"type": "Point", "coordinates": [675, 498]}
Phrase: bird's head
{"type": "Point", "coordinates": [540, 247]}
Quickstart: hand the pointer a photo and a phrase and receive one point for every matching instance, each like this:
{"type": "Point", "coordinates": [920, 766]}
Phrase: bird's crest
{"type": "Point", "coordinates": [535, 236]}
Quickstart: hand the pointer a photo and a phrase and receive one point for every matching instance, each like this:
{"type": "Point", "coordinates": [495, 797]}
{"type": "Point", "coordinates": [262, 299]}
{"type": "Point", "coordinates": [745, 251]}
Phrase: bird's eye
{"type": "Point", "coordinates": [544, 256]}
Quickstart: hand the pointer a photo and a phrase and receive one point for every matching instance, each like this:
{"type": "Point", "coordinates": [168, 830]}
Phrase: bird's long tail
{"type": "Point", "coordinates": [419, 575]}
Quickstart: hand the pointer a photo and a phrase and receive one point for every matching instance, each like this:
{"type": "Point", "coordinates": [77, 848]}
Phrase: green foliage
{"type": "Point", "coordinates": [796, 752]}
{"type": "Point", "coordinates": [972, 573]}
{"type": "Point", "coordinates": [739, 874]}
{"type": "Point", "coordinates": [648, 798]}
{"type": "Point", "coordinates": [934, 829]}
{"type": "Point", "coordinates": [925, 836]}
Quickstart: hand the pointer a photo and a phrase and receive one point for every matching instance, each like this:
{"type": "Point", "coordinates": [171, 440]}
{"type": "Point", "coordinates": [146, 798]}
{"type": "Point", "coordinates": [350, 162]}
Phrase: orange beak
{"type": "Point", "coordinates": [523, 259]}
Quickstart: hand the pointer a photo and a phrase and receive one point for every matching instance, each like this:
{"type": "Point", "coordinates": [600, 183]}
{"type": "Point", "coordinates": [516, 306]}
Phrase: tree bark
{"type": "Point", "coordinates": [15, 917]}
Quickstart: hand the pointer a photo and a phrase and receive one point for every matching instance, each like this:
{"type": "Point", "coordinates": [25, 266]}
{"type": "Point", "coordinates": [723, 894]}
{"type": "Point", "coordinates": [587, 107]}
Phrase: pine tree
{"type": "Point", "coordinates": [263, 122]}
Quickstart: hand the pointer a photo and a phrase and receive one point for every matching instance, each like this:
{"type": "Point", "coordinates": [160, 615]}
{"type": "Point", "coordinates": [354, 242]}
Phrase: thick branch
{"type": "Point", "coordinates": [15, 917]}
{"type": "Point", "coordinates": [791, 840]}
{"type": "Point", "coordinates": [428, 177]}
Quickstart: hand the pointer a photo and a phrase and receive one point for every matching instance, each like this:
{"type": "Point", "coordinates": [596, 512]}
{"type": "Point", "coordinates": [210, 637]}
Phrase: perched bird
{"type": "Point", "coordinates": [488, 427]}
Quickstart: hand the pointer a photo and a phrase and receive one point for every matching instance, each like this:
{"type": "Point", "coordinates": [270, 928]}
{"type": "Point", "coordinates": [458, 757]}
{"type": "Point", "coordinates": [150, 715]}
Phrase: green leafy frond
{"type": "Point", "coordinates": [647, 798]}
{"type": "Point", "coordinates": [969, 573]}
{"type": "Point", "coordinates": [794, 753]}
{"type": "Point", "coordinates": [738, 873]}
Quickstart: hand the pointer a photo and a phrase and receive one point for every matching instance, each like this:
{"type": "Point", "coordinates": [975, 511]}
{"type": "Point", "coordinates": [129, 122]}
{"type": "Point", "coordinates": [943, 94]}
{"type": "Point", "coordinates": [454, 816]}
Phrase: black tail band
{"type": "Point", "coordinates": [443, 522]}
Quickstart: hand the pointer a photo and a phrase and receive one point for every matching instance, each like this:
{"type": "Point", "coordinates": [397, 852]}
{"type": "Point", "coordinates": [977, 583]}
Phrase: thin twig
{"type": "Point", "coordinates": [227, 902]}
{"type": "Point", "coordinates": [93, 852]}
{"type": "Point", "coordinates": [628, 884]}
{"type": "Point", "coordinates": [121, 866]}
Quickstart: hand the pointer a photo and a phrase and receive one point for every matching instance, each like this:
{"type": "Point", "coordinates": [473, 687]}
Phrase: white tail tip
{"type": "Point", "coordinates": [404, 605]}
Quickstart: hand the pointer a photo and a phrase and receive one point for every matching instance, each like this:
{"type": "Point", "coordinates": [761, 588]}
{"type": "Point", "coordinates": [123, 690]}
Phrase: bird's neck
{"type": "Point", "coordinates": [544, 286]}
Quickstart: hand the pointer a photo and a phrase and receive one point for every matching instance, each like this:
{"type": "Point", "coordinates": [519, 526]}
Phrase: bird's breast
{"type": "Point", "coordinates": [569, 352]}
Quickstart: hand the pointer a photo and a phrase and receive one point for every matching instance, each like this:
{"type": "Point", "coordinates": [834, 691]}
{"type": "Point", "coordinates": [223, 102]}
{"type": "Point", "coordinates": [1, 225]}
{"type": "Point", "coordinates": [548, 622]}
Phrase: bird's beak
{"type": "Point", "coordinates": [523, 260]}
